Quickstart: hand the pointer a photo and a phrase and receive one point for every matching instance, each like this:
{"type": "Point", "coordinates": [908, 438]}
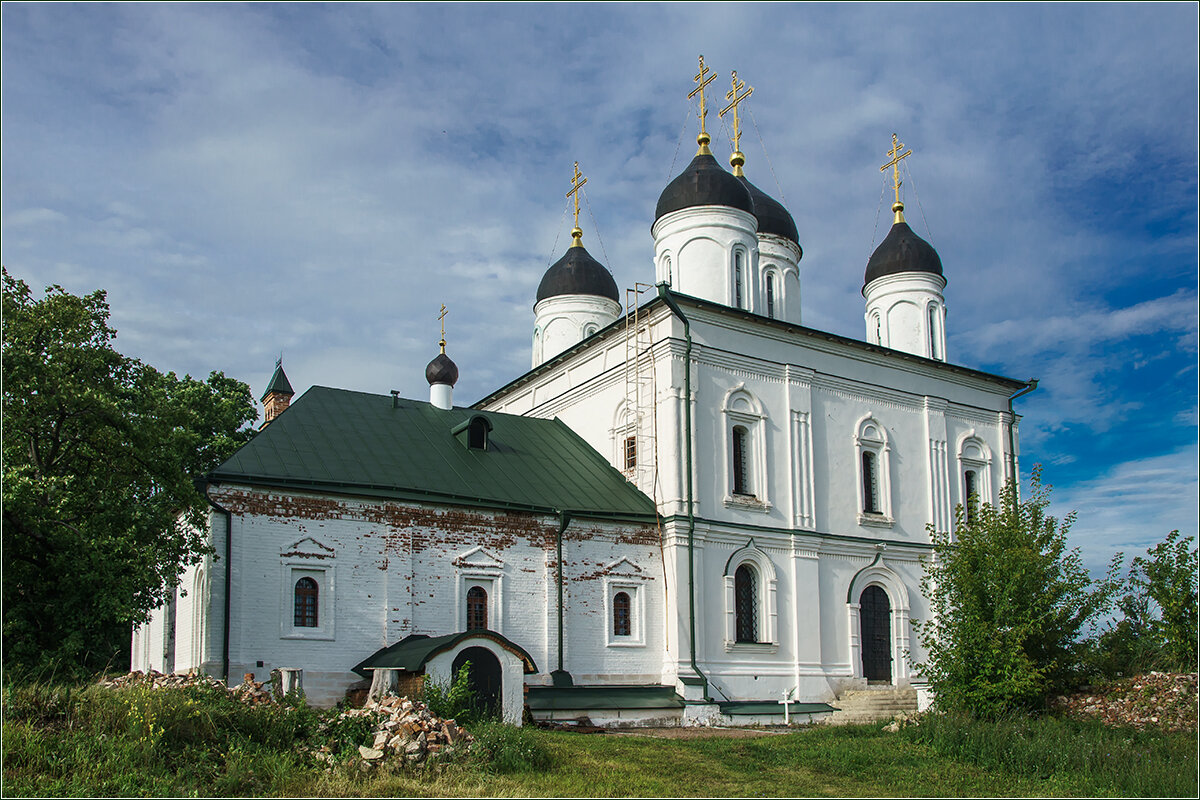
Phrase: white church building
{"type": "Point", "coordinates": [690, 509]}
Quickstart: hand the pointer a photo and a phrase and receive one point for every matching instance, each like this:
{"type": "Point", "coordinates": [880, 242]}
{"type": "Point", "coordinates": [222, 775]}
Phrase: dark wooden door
{"type": "Point", "coordinates": [875, 615]}
{"type": "Point", "coordinates": [485, 677]}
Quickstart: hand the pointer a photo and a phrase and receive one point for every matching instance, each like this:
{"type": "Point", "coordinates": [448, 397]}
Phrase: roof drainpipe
{"type": "Point", "coordinates": [1030, 385]}
{"type": "Point", "coordinates": [560, 677]}
{"type": "Point", "coordinates": [665, 294]}
{"type": "Point", "coordinates": [202, 484]}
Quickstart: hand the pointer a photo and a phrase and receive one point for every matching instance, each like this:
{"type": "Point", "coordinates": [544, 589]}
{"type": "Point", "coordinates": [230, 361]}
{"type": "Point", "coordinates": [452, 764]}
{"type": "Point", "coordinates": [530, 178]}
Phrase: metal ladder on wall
{"type": "Point", "coordinates": [638, 452]}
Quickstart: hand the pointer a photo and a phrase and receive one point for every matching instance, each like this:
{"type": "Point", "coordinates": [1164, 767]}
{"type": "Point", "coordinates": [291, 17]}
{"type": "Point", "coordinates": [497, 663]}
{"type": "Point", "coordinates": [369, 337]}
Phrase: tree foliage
{"type": "Point", "coordinates": [1158, 625]}
{"type": "Point", "coordinates": [100, 512]}
{"type": "Point", "coordinates": [1009, 601]}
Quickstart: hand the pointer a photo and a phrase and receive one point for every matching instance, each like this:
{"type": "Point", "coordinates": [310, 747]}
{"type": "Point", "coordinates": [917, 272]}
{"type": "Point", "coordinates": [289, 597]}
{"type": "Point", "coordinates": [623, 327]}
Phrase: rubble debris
{"type": "Point", "coordinates": [1156, 699]}
{"type": "Point", "coordinates": [249, 691]}
{"type": "Point", "coordinates": [407, 731]}
{"type": "Point", "coordinates": [903, 720]}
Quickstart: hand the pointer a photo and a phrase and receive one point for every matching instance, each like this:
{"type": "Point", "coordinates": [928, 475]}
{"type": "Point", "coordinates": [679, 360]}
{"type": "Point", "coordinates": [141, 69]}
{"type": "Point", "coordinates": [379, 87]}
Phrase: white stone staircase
{"type": "Point", "coordinates": [873, 704]}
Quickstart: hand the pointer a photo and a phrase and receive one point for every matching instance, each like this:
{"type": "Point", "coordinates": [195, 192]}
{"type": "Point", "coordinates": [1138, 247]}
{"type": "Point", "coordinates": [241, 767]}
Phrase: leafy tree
{"type": "Point", "coordinates": [100, 512]}
{"type": "Point", "coordinates": [1009, 602]}
{"type": "Point", "coordinates": [1158, 629]}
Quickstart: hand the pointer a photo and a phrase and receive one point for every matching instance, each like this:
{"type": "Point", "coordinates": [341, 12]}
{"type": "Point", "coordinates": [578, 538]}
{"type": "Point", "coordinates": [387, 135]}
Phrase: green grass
{"type": "Point", "coordinates": [96, 742]}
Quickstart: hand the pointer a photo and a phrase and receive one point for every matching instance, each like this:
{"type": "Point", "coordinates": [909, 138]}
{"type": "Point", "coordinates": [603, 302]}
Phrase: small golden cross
{"type": "Point", "coordinates": [576, 185]}
{"type": "Point", "coordinates": [442, 319]}
{"type": "Point", "coordinates": [896, 155]}
{"type": "Point", "coordinates": [732, 95]}
{"type": "Point", "coordinates": [700, 79]}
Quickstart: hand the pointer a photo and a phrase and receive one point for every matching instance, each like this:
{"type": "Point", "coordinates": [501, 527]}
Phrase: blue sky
{"type": "Point", "coordinates": [319, 179]}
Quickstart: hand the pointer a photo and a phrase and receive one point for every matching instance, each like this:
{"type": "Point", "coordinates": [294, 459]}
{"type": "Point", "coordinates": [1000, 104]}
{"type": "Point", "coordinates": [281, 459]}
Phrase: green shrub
{"type": "Point", "coordinates": [503, 748]}
{"type": "Point", "coordinates": [457, 700]}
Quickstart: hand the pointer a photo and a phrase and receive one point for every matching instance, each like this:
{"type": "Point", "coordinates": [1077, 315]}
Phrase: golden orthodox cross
{"type": "Point", "coordinates": [700, 79]}
{"type": "Point", "coordinates": [442, 319]}
{"type": "Point", "coordinates": [576, 185]}
{"type": "Point", "coordinates": [896, 155]}
{"type": "Point", "coordinates": [732, 95]}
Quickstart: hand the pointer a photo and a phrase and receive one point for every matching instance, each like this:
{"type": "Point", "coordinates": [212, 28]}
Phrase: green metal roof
{"type": "Point", "coordinates": [582, 698]}
{"type": "Point", "coordinates": [411, 652]}
{"type": "Point", "coordinates": [368, 444]}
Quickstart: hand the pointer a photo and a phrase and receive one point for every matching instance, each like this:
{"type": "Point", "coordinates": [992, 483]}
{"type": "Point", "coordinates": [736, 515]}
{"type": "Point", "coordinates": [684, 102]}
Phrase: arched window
{"type": "Point", "coordinates": [589, 329]}
{"type": "Point", "coordinates": [870, 481]}
{"type": "Point", "coordinates": [741, 467]}
{"type": "Point", "coordinates": [630, 452]}
{"type": "Point", "coordinates": [667, 268]}
{"type": "Point", "coordinates": [872, 453]}
{"type": "Point", "coordinates": [971, 493]}
{"type": "Point", "coordinates": [745, 597]}
{"type": "Point", "coordinates": [477, 615]}
{"type": "Point", "coordinates": [477, 433]}
{"type": "Point", "coordinates": [306, 603]}
{"type": "Point", "coordinates": [771, 295]}
{"type": "Point", "coordinates": [621, 614]}
{"type": "Point", "coordinates": [935, 350]}
{"type": "Point", "coordinates": [737, 279]}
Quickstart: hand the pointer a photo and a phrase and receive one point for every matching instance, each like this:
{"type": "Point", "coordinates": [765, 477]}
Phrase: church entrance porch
{"type": "Point", "coordinates": [875, 618]}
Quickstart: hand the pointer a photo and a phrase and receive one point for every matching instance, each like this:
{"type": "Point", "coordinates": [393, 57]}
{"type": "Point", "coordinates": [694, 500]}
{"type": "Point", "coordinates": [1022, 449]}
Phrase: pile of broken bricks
{"type": "Point", "coordinates": [408, 730]}
{"type": "Point", "coordinates": [250, 691]}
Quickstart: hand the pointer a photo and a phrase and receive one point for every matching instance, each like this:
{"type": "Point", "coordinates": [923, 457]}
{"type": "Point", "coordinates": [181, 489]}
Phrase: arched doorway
{"type": "Point", "coordinates": [485, 677]}
{"type": "Point", "coordinates": [876, 626]}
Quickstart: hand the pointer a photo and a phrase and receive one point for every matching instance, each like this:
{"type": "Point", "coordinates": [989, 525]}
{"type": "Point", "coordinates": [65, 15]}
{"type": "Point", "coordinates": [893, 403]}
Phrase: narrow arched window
{"type": "Point", "coordinates": [741, 472]}
{"type": "Point", "coordinates": [306, 603]}
{"type": "Point", "coordinates": [737, 279]}
{"type": "Point", "coordinates": [870, 480]}
{"type": "Point", "coordinates": [630, 452]}
{"type": "Point", "coordinates": [588, 330]}
{"type": "Point", "coordinates": [745, 603]}
{"type": "Point", "coordinates": [477, 615]}
{"type": "Point", "coordinates": [878, 330]}
{"type": "Point", "coordinates": [771, 296]}
{"type": "Point", "coordinates": [621, 614]}
{"type": "Point", "coordinates": [667, 264]}
{"type": "Point", "coordinates": [934, 350]}
{"type": "Point", "coordinates": [971, 493]}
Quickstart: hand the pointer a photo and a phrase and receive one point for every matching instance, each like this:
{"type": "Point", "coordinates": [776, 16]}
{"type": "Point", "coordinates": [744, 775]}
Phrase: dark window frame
{"type": "Point", "coordinates": [306, 603]}
{"type": "Point", "coordinates": [622, 607]}
{"type": "Point", "coordinates": [745, 605]}
{"type": "Point", "coordinates": [740, 444]}
{"type": "Point", "coordinates": [870, 481]}
{"type": "Point", "coordinates": [477, 608]}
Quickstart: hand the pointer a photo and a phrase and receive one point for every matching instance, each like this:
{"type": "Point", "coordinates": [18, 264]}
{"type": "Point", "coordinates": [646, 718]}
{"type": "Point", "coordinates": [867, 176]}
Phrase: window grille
{"type": "Point", "coordinates": [741, 473]}
{"type": "Point", "coordinates": [477, 615]}
{"type": "Point", "coordinates": [745, 604]}
{"type": "Point", "coordinates": [306, 603]}
{"type": "Point", "coordinates": [621, 614]}
{"type": "Point", "coordinates": [630, 452]}
{"type": "Point", "coordinates": [972, 494]}
{"type": "Point", "coordinates": [870, 484]}
{"type": "Point", "coordinates": [771, 296]}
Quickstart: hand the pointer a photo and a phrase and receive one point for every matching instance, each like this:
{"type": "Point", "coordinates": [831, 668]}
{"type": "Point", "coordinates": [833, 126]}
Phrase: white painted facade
{"type": "Point", "coordinates": [386, 569]}
{"type": "Point", "coordinates": [907, 312]}
{"type": "Point", "coordinates": [810, 404]}
{"type": "Point", "coordinates": [562, 321]}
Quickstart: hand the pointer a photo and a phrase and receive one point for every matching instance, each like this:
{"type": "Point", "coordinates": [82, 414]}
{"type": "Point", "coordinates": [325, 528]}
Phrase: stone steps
{"type": "Point", "coordinates": [860, 706]}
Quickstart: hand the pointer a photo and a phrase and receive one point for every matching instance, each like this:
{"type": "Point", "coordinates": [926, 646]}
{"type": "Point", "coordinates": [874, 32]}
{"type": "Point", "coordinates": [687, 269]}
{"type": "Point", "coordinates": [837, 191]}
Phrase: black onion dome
{"type": "Point", "coordinates": [902, 251]}
{"type": "Point", "coordinates": [703, 183]}
{"type": "Point", "coordinates": [578, 273]}
{"type": "Point", "coordinates": [772, 216]}
{"type": "Point", "coordinates": [441, 370]}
